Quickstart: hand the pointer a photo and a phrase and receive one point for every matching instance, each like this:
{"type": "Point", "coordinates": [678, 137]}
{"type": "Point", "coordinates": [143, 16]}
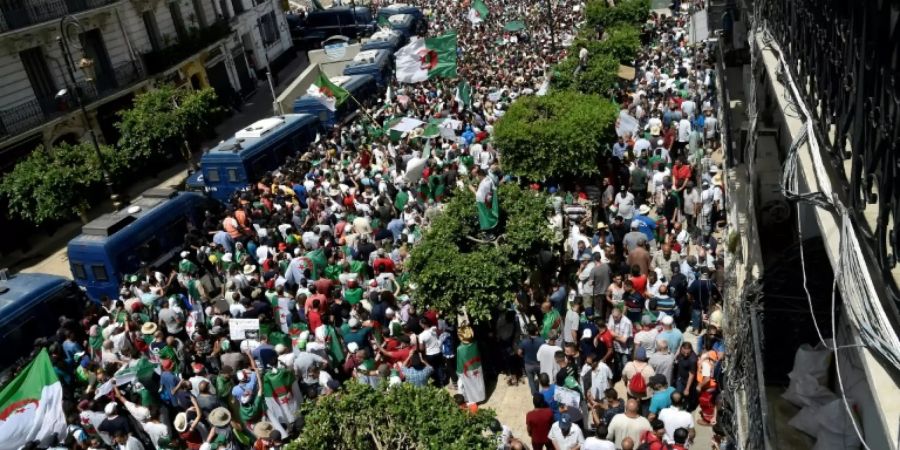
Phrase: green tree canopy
{"type": "Point", "coordinates": [58, 184]}
{"type": "Point", "coordinates": [451, 272]}
{"type": "Point", "coordinates": [162, 118]}
{"type": "Point", "coordinates": [556, 135]}
{"type": "Point", "coordinates": [402, 417]}
{"type": "Point", "coordinates": [598, 12]}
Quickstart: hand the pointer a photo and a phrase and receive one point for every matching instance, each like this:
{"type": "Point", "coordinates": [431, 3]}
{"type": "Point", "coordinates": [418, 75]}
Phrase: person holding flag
{"type": "Point", "coordinates": [468, 367]}
{"type": "Point", "coordinates": [486, 200]}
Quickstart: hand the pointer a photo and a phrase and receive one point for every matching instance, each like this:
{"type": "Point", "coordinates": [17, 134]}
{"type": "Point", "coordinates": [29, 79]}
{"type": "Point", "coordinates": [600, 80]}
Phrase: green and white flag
{"type": "Point", "coordinates": [464, 94]}
{"type": "Point", "coordinates": [319, 262]}
{"type": "Point", "coordinates": [141, 369]}
{"type": "Point", "coordinates": [422, 59]}
{"type": "Point", "coordinates": [329, 93]}
{"type": "Point", "coordinates": [31, 405]}
{"type": "Point", "coordinates": [468, 368]}
{"type": "Point", "coordinates": [478, 12]}
{"type": "Point", "coordinates": [281, 395]}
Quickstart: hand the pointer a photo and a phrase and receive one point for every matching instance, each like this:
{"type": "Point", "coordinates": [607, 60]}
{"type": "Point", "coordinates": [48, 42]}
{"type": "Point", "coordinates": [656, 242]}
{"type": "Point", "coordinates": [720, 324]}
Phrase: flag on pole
{"type": "Point", "coordinates": [422, 59]}
{"type": "Point", "coordinates": [478, 12]}
{"type": "Point", "coordinates": [281, 395]}
{"type": "Point", "coordinates": [464, 94]}
{"type": "Point", "coordinates": [329, 94]}
{"type": "Point", "coordinates": [468, 367]}
{"type": "Point", "coordinates": [31, 405]}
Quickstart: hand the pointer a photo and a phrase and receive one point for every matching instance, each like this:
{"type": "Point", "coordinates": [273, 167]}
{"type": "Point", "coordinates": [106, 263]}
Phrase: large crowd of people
{"type": "Point", "coordinates": [314, 253]}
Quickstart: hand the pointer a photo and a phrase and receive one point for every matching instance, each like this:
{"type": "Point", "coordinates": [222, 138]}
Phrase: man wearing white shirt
{"type": "Point", "coordinates": [566, 435]}
{"type": "Point", "coordinates": [546, 355]}
{"type": "Point", "coordinates": [675, 417]}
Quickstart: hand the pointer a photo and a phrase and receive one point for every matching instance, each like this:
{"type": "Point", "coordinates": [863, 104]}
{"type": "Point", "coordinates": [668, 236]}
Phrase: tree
{"type": "Point", "coordinates": [56, 185]}
{"type": "Point", "coordinates": [599, 13]}
{"type": "Point", "coordinates": [164, 118]}
{"type": "Point", "coordinates": [402, 417]}
{"type": "Point", "coordinates": [555, 135]}
{"type": "Point", "coordinates": [453, 273]}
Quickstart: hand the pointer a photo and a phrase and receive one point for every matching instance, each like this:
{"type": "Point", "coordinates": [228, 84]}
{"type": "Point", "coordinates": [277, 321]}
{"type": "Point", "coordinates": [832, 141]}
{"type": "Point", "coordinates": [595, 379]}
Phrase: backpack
{"type": "Point", "coordinates": [637, 385]}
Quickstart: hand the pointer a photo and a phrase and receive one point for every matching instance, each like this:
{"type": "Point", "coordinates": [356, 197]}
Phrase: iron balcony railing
{"type": "Point", "coordinates": [32, 113]}
{"type": "Point", "coordinates": [15, 14]}
{"type": "Point", "coordinates": [197, 40]}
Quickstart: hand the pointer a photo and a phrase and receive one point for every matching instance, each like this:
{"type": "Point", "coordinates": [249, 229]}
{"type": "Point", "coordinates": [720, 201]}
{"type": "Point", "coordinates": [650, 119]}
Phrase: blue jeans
{"type": "Point", "coordinates": [696, 322]}
{"type": "Point", "coordinates": [532, 371]}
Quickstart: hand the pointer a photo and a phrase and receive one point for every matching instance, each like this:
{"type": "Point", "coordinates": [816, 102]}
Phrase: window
{"type": "Point", "coordinates": [152, 30]}
{"type": "Point", "coordinates": [178, 21]}
{"type": "Point", "coordinates": [78, 271]}
{"type": "Point", "coordinates": [212, 175]}
{"type": "Point", "coordinates": [268, 29]}
{"type": "Point", "coordinates": [232, 175]}
{"type": "Point", "coordinates": [99, 272]}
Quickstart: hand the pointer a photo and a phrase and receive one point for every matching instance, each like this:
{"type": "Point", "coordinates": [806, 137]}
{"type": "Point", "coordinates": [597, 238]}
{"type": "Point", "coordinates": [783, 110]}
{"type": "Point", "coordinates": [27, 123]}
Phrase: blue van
{"type": "Point", "coordinates": [377, 63]}
{"type": "Point", "coordinates": [400, 8]}
{"type": "Point", "coordinates": [251, 152]}
{"type": "Point", "coordinates": [29, 306]}
{"type": "Point", "coordinates": [389, 40]}
{"type": "Point", "coordinates": [149, 232]}
{"type": "Point", "coordinates": [404, 24]}
{"type": "Point", "coordinates": [362, 87]}
{"type": "Point", "coordinates": [319, 25]}
{"type": "Point", "coordinates": [420, 25]}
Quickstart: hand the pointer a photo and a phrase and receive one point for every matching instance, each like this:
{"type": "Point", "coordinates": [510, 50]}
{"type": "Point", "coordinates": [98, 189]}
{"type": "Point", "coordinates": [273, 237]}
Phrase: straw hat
{"type": "Point", "coordinates": [263, 430]}
{"type": "Point", "coordinates": [644, 210]}
{"type": "Point", "coordinates": [249, 269]}
{"type": "Point", "coordinates": [149, 328]}
{"type": "Point", "coordinates": [181, 422]}
{"type": "Point", "coordinates": [219, 417]}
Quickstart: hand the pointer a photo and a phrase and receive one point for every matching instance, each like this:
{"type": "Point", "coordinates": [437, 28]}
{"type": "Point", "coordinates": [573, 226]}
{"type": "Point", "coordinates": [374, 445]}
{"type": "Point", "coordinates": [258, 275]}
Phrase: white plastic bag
{"type": "Point", "coordinates": [805, 390]}
{"type": "Point", "coordinates": [807, 421]}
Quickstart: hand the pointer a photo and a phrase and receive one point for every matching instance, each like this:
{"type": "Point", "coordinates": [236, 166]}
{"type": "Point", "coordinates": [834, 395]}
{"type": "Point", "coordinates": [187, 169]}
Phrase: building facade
{"type": "Point", "coordinates": [115, 49]}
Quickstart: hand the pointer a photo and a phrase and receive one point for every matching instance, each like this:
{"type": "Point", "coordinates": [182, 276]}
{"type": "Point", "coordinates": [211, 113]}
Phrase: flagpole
{"type": "Point", "coordinates": [361, 108]}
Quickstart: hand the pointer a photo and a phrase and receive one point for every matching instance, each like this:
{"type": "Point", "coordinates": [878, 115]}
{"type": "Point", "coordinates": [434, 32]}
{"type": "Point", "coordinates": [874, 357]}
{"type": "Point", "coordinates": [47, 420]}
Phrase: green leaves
{"type": "Point", "coordinates": [598, 12]}
{"type": "Point", "coordinates": [54, 185]}
{"type": "Point", "coordinates": [557, 135]}
{"type": "Point", "coordinates": [453, 274]}
{"type": "Point", "coordinates": [392, 418]}
{"type": "Point", "coordinates": [163, 118]}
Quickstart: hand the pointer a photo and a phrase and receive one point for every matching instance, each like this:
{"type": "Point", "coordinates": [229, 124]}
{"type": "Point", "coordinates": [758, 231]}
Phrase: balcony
{"type": "Point", "coordinates": [35, 112]}
{"type": "Point", "coordinates": [15, 14]}
{"type": "Point", "coordinates": [197, 40]}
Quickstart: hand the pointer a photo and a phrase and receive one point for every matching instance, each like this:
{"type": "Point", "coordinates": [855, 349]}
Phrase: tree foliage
{"type": "Point", "coordinates": [163, 118]}
{"type": "Point", "coordinates": [450, 272]}
{"type": "Point", "coordinates": [56, 185]}
{"type": "Point", "coordinates": [556, 135]}
{"type": "Point", "coordinates": [402, 417]}
{"type": "Point", "coordinates": [599, 13]}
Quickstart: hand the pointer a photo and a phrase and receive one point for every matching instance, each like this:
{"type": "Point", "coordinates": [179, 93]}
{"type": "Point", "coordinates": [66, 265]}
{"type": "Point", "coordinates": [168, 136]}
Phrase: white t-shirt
{"type": "Point", "coordinates": [545, 356]}
{"type": "Point", "coordinates": [429, 338]}
{"type": "Point", "coordinates": [593, 443]}
{"type": "Point", "coordinates": [674, 419]}
{"type": "Point", "coordinates": [600, 380]}
{"type": "Point", "coordinates": [575, 437]}
{"type": "Point", "coordinates": [622, 426]}
{"type": "Point", "coordinates": [156, 431]}
{"type": "Point", "coordinates": [684, 130]}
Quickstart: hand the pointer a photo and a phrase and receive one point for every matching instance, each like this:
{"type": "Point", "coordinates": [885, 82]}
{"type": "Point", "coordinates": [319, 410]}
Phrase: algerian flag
{"type": "Point", "coordinates": [468, 367]}
{"type": "Point", "coordinates": [330, 94]}
{"type": "Point", "coordinates": [319, 262]}
{"type": "Point", "coordinates": [281, 395]}
{"type": "Point", "coordinates": [422, 59]}
{"type": "Point", "coordinates": [464, 94]}
{"type": "Point", "coordinates": [478, 12]}
{"type": "Point", "coordinates": [141, 369]}
{"type": "Point", "coordinates": [31, 405]}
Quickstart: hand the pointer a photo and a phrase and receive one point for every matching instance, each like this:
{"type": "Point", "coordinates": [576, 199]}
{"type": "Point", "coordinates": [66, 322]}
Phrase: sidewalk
{"type": "Point", "coordinates": [47, 254]}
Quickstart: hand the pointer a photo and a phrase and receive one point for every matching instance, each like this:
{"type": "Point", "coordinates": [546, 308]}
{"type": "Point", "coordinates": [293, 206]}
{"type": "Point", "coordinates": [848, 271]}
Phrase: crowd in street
{"type": "Point", "coordinates": [315, 253]}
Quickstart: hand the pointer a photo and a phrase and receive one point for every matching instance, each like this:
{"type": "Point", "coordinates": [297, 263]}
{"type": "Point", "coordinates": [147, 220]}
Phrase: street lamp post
{"type": "Point", "coordinates": [87, 66]}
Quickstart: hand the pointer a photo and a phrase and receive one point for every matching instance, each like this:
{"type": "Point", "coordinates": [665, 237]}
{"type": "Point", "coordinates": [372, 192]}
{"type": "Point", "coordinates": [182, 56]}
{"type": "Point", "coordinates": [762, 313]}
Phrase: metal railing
{"type": "Point", "coordinates": [197, 40]}
{"type": "Point", "coordinates": [15, 14]}
{"type": "Point", "coordinates": [32, 113]}
{"type": "Point", "coordinates": [848, 58]}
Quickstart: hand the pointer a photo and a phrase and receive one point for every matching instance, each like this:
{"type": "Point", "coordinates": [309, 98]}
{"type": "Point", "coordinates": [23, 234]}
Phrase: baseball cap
{"type": "Point", "coordinates": [565, 423]}
{"type": "Point", "coordinates": [640, 354]}
{"type": "Point", "coordinates": [667, 320]}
